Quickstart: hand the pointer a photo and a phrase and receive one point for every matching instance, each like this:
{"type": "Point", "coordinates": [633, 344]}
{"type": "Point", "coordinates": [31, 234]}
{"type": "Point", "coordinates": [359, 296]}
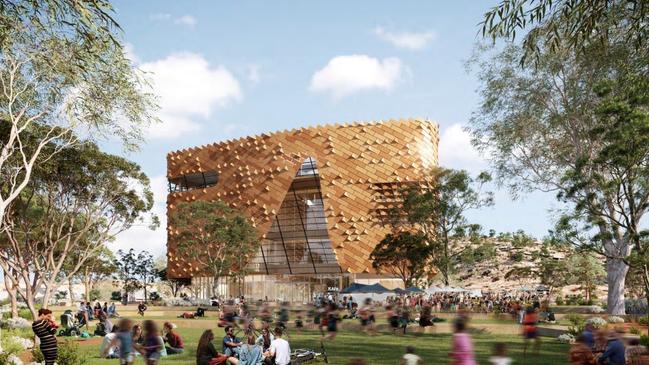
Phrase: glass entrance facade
{"type": "Point", "coordinates": [298, 242]}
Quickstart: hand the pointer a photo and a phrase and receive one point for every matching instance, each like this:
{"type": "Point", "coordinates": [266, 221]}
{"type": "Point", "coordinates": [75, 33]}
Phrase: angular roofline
{"type": "Point", "coordinates": [301, 129]}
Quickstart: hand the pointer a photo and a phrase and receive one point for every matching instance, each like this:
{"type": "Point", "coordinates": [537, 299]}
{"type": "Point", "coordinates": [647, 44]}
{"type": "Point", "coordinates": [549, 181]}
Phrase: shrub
{"type": "Point", "coordinates": [615, 319]}
{"type": "Point", "coordinates": [116, 295]}
{"type": "Point", "coordinates": [634, 330]}
{"type": "Point", "coordinates": [643, 321]}
{"type": "Point", "coordinates": [566, 338]}
{"type": "Point", "coordinates": [11, 346]}
{"type": "Point", "coordinates": [559, 300]}
{"type": "Point", "coordinates": [37, 355]}
{"type": "Point", "coordinates": [596, 309]}
{"type": "Point", "coordinates": [577, 324]}
{"type": "Point", "coordinates": [644, 341]}
{"type": "Point", "coordinates": [154, 296]}
{"type": "Point", "coordinates": [596, 322]}
{"type": "Point", "coordinates": [69, 354]}
{"type": "Point", "coordinates": [15, 323]}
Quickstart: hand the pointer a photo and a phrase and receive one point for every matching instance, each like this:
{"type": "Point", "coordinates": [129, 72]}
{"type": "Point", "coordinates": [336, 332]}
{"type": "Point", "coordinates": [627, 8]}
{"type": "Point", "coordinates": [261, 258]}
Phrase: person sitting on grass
{"type": "Point", "coordinates": [206, 353]}
{"type": "Point", "coordinates": [614, 353]}
{"type": "Point", "coordinates": [280, 349]}
{"type": "Point", "coordinates": [265, 339]}
{"type": "Point", "coordinates": [231, 343]}
{"type": "Point", "coordinates": [249, 354]}
{"type": "Point", "coordinates": [500, 355]}
{"type": "Point", "coordinates": [409, 358]}
{"type": "Point", "coordinates": [112, 311]}
{"type": "Point", "coordinates": [172, 338]}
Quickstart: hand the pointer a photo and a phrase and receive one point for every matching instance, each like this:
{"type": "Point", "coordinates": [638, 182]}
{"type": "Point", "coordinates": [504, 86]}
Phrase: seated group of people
{"type": "Point", "coordinates": [605, 347]}
{"type": "Point", "coordinates": [141, 338]}
{"type": "Point", "coordinates": [267, 349]}
{"type": "Point", "coordinates": [86, 312]}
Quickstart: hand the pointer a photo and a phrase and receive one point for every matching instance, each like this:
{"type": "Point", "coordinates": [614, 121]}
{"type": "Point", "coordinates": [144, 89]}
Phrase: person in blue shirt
{"type": "Point", "coordinates": [231, 343]}
{"type": "Point", "coordinates": [614, 352]}
{"type": "Point", "coordinates": [589, 337]}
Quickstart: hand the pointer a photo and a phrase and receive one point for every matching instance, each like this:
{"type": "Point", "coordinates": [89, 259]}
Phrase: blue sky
{"type": "Point", "coordinates": [224, 69]}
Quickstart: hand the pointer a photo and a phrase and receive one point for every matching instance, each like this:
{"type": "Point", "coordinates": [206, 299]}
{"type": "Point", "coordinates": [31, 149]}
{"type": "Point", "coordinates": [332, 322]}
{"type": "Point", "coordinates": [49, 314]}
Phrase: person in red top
{"type": "Point", "coordinates": [173, 340]}
{"type": "Point", "coordinates": [530, 329]}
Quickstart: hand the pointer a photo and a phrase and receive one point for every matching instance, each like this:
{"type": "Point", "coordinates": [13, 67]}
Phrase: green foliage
{"type": "Point", "coordinates": [22, 313]}
{"type": "Point", "coordinates": [116, 295]}
{"type": "Point", "coordinates": [220, 239]}
{"type": "Point", "coordinates": [559, 300]}
{"type": "Point", "coordinates": [94, 294]}
{"type": "Point", "coordinates": [69, 354]}
{"type": "Point", "coordinates": [60, 295]}
{"type": "Point", "coordinates": [405, 255]}
{"type": "Point", "coordinates": [577, 324]}
{"type": "Point", "coordinates": [644, 340]}
{"type": "Point", "coordinates": [37, 355]}
{"type": "Point", "coordinates": [574, 24]}
{"type": "Point", "coordinates": [135, 271]}
{"type": "Point", "coordinates": [516, 257]}
{"type": "Point", "coordinates": [591, 149]}
{"type": "Point", "coordinates": [154, 296]}
{"type": "Point", "coordinates": [438, 212]}
{"type": "Point", "coordinates": [635, 330]}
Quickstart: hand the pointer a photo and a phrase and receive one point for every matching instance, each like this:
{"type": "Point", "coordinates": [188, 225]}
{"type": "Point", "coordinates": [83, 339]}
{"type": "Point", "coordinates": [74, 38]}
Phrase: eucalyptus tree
{"type": "Point", "coordinates": [574, 124]}
{"type": "Point", "coordinates": [214, 238]}
{"type": "Point", "coordinates": [74, 204]}
{"type": "Point", "coordinates": [63, 72]}
{"type": "Point", "coordinates": [437, 210]}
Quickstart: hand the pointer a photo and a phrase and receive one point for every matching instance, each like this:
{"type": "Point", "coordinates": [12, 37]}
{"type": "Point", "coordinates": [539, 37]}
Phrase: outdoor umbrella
{"type": "Point", "coordinates": [376, 289]}
{"type": "Point", "coordinates": [401, 291]}
{"type": "Point", "coordinates": [354, 288]}
{"type": "Point", "coordinates": [413, 289]}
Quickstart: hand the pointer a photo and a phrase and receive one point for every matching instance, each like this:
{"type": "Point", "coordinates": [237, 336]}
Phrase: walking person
{"type": "Point", "coordinates": [153, 344]}
{"type": "Point", "coordinates": [45, 329]}
{"type": "Point", "coordinates": [124, 341]}
{"type": "Point", "coordinates": [462, 350]}
{"type": "Point", "coordinates": [530, 330]}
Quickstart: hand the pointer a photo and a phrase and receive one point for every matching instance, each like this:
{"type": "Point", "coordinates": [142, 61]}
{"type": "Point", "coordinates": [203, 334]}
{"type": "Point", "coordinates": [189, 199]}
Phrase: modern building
{"type": "Point", "coordinates": [317, 196]}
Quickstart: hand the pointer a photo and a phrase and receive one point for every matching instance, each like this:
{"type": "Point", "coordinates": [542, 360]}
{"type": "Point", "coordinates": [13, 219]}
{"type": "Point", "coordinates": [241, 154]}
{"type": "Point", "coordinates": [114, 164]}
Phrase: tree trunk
{"type": "Point", "coordinates": [70, 291]}
{"type": "Point", "coordinates": [13, 295]}
{"type": "Point", "coordinates": [86, 285]}
{"type": "Point", "coordinates": [616, 275]}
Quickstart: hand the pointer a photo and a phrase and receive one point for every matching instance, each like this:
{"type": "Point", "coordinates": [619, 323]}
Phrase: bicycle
{"type": "Point", "coordinates": [305, 356]}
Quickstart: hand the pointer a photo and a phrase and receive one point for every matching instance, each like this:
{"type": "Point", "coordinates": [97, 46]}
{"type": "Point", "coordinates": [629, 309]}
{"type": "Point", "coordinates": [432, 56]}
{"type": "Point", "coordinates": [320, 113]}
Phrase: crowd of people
{"type": "Point", "coordinates": [244, 343]}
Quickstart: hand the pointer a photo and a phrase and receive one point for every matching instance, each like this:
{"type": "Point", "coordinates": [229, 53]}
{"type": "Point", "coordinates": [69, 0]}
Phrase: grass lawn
{"type": "Point", "coordinates": [376, 350]}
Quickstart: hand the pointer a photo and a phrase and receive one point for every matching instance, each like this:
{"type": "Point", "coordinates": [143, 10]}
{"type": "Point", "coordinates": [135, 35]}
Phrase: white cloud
{"type": "Point", "coordinates": [457, 152]}
{"type": "Point", "coordinates": [140, 237]}
{"type": "Point", "coordinates": [344, 75]}
{"type": "Point", "coordinates": [187, 20]}
{"type": "Point", "coordinates": [188, 87]}
{"type": "Point", "coordinates": [409, 40]}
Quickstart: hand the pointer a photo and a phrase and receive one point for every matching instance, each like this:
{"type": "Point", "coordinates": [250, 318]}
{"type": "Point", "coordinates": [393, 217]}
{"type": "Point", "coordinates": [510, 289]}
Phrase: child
{"type": "Point", "coordinates": [153, 345]}
{"type": "Point", "coordinates": [462, 348]}
{"type": "Point", "coordinates": [500, 355]}
{"type": "Point", "coordinates": [124, 338]}
{"type": "Point", "coordinates": [409, 358]}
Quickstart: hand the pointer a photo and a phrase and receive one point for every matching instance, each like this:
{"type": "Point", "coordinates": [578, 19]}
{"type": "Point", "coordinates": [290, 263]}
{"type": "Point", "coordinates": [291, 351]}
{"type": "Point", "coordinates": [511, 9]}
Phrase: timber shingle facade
{"type": "Point", "coordinates": [317, 196]}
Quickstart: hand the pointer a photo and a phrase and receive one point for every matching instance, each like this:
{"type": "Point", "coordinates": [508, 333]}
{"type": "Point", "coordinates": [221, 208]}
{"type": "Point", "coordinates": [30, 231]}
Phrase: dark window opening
{"type": "Point", "coordinates": [199, 180]}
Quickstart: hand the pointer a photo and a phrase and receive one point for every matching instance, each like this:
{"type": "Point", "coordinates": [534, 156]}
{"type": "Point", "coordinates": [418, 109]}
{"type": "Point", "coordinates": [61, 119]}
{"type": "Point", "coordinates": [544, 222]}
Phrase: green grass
{"type": "Point", "coordinates": [383, 349]}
